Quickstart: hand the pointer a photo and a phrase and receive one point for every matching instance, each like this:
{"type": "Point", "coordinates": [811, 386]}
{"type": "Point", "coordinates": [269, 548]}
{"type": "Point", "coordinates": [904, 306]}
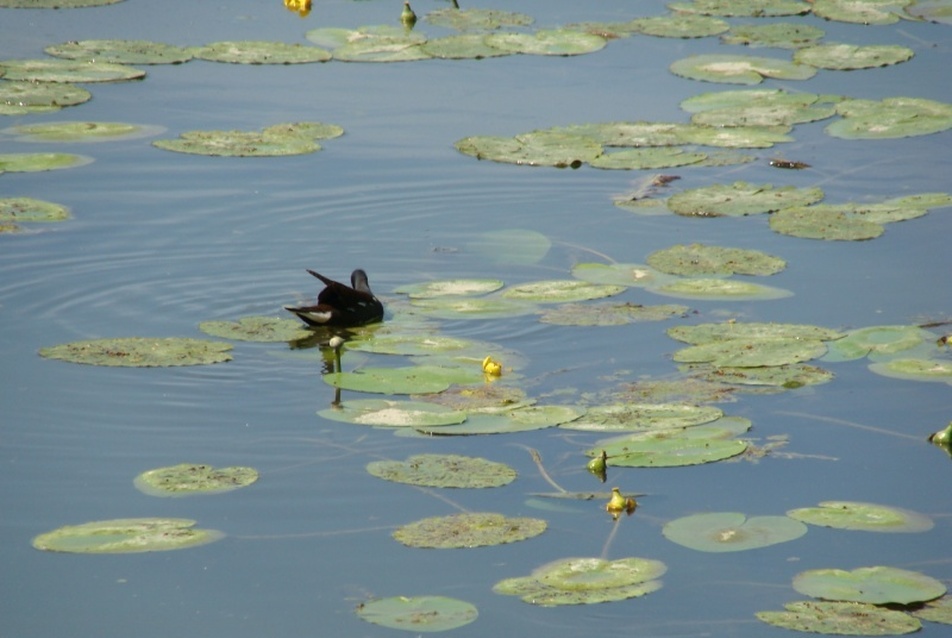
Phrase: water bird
{"type": "Point", "coordinates": [342, 305]}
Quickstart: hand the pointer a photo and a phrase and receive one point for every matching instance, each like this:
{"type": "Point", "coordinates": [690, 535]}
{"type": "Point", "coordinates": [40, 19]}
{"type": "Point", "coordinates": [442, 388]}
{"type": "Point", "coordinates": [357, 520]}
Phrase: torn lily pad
{"type": "Point", "coordinates": [259, 329]}
{"type": "Point", "coordinates": [610, 314]}
{"type": "Point", "coordinates": [699, 259]}
{"type": "Point", "coordinates": [23, 97]}
{"type": "Point", "coordinates": [848, 619]}
{"type": "Point", "coordinates": [847, 57]}
{"type": "Point", "coordinates": [260, 52]}
{"type": "Point", "coordinates": [55, 70]}
{"type": "Point", "coordinates": [868, 517]}
{"type": "Point", "coordinates": [418, 613]}
{"type": "Point", "coordinates": [121, 51]}
{"type": "Point", "coordinates": [739, 69]}
{"type": "Point", "coordinates": [740, 198]}
{"type": "Point", "coordinates": [186, 479]}
{"type": "Point", "coordinates": [126, 536]}
{"type": "Point", "coordinates": [547, 42]}
{"type": "Point", "coordinates": [561, 290]}
{"type": "Point", "coordinates": [444, 470]}
{"type": "Point", "coordinates": [81, 131]}
{"type": "Point", "coordinates": [472, 529]}
{"type": "Point", "coordinates": [28, 209]}
{"type": "Point", "coordinates": [890, 118]}
{"type": "Point", "coordinates": [141, 352]}
{"type": "Point", "coordinates": [395, 414]}
{"type": "Point", "coordinates": [876, 585]}
{"type": "Point", "coordinates": [731, 531]}
{"type": "Point", "coordinates": [643, 417]}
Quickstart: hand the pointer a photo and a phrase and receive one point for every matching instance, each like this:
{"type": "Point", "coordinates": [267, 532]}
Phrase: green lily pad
{"type": "Point", "coordinates": [454, 308]}
{"type": "Point", "coordinates": [915, 369]}
{"type": "Point", "coordinates": [21, 98]}
{"type": "Point", "coordinates": [477, 19]}
{"type": "Point", "coordinates": [752, 352]}
{"type": "Point", "coordinates": [466, 46]}
{"type": "Point", "coordinates": [743, 8]}
{"type": "Point", "coordinates": [719, 289]}
{"type": "Point", "coordinates": [418, 613]}
{"type": "Point", "coordinates": [633, 275]}
{"type": "Point", "coordinates": [631, 134]}
{"type": "Point", "coordinates": [518, 418]}
{"type": "Point", "coordinates": [538, 148]}
{"type": "Point", "coordinates": [186, 479]}
{"type": "Point", "coordinates": [547, 42]}
{"type": "Point", "coordinates": [844, 619]}
{"type": "Point", "coordinates": [121, 51]}
{"type": "Point", "coordinates": [413, 344]}
{"type": "Point", "coordinates": [860, 11]}
{"type": "Point", "coordinates": [784, 35]}
{"type": "Point", "coordinates": [739, 69]}
{"type": "Point", "coordinates": [27, 209]}
{"type": "Point", "coordinates": [610, 314]}
{"type": "Point", "coordinates": [876, 585]}
{"type": "Point", "coordinates": [80, 131]}
{"type": "Point", "coordinates": [846, 57]}
{"type": "Point", "coordinates": [712, 332]}
{"type": "Point", "coordinates": [259, 329]}
{"type": "Point", "coordinates": [744, 98]}
{"type": "Point", "coordinates": [578, 581]}
{"type": "Point", "coordinates": [471, 529]}
{"type": "Point", "coordinates": [33, 162]}
{"type": "Point", "coordinates": [824, 221]}
{"type": "Point", "coordinates": [787, 376]}
{"type": "Point", "coordinates": [680, 25]}
{"type": "Point", "coordinates": [643, 417]}
{"type": "Point", "coordinates": [386, 413]}
{"type": "Point", "coordinates": [671, 448]}
{"type": "Point", "coordinates": [932, 10]}
{"type": "Point", "coordinates": [54, 4]}
{"type": "Point", "coordinates": [890, 118]}
{"type": "Point", "coordinates": [68, 71]}
{"type": "Point", "coordinates": [877, 341]}
{"type": "Point", "coordinates": [444, 470]}
{"type": "Point", "coordinates": [126, 536]}
{"type": "Point", "coordinates": [296, 138]}
{"type": "Point", "coordinates": [141, 352]}
{"type": "Point", "coordinates": [488, 397]}
{"type": "Point", "coordinates": [646, 159]}
{"type": "Point", "coordinates": [740, 198]}
{"type": "Point", "coordinates": [698, 259]}
{"type": "Point", "coordinates": [734, 137]}
{"type": "Point", "coordinates": [561, 290]}
{"type": "Point", "coordinates": [378, 43]}
{"type": "Point", "coordinates": [260, 52]}
{"type": "Point", "coordinates": [769, 115]}
{"type": "Point", "coordinates": [450, 287]}
{"type": "Point", "coordinates": [731, 531]}
{"type": "Point", "coordinates": [862, 516]}
{"type": "Point", "coordinates": [936, 611]}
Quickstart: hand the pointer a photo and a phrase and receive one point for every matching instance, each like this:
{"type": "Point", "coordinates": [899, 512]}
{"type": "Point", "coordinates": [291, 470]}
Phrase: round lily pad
{"type": "Point", "coordinates": [699, 259]}
{"type": "Point", "coordinates": [784, 35]}
{"type": "Point", "coordinates": [671, 448]}
{"type": "Point", "coordinates": [412, 343]}
{"type": "Point", "coordinates": [472, 308]}
{"type": "Point", "coordinates": [519, 418]}
{"type": "Point", "coordinates": [739, 69]}
{"type": "Point", "coordinates": [679, 25]}
{"type": "Point", "coordinates": [547, 42]}
{"type": "Point", "coordinates": [381, 412]}
{"type": "Point", "coordinates": [418, 613]}
{"type": "Point", "coordinates": [381, 44]}
{"type": "Point", "coordinates": [444, 470]}
{"type": "Point", "coordinates": [260, 52]}
{"type": "Point", "coordinates": [121, 51]}
{"type": "Point", "coordinates": [828, 222]}
{"type": "Point", "coordinates": [189, 478]}
{"type": "Point", "coordinates": [126, 535]}
{"type": "Point", "coordinates": [740, 198]}
{"type": "Point", "coordinates": [33, 162]}
{"type": "Point", "coordinates": [472, 529]}
{"type": "Point", "coordinates": [643, 417]}
{"type": "Point", "coordinates": [646, 159]}
{"type": "Point", "coordinates": [708, 288]}
{"type": "Point", "coordinates": [743, 8]}
{"type": "Point", "coordinates": [259, 329]}
{"type": "Point", "coordinates": [877, 341]}
{"type": "Point", "coordinates": [862, 12]}
{"type": "Point", "coordinates": [450, 287]}
{"type": "Point", "coordinates": [561, 290]}
{"type": "Point", "coordinates": [752, 352]}
{"type": "Point", "coordinates": [610, 314]}
{"type": "Point", "coordinates": [466, 46]}
{"type": "Point", "coordinates": [633, 275]}
{"type": "Point", "coordinates": [239, 144]}
{"type": "Point", "coordinates": [80, 131]}
{"type": "Point", "coordinates": [731, 531]}
{"type": "Point", "coordinates": [28, 209]}
{"type": "Point", "coordinates": [876, 585]}
{"type": "Point", "coordinates": [915, 369]}
{"type": "Point", "coordinates": [844, 619]}
{"type": "Point", "coordinates": [850, 56]}
{"type": "Point", "coordinates": [54, 70]}
{"type": "Point", "coordinates": [734, 137]}
{"type": "Point", "coordinates": [890, 118]}
{"type": "Point", "coordinates": [745, 98]}
{"type": "Point", "coordinates": [862, 516]}
{"type": "Point", "coordinates": [770, 115]}
{"type": "Point", "coordinates": [711, 332]}
{"type": "Point", "coordinates": [141, 352]}
{"type": "Point", "coordinates": [787, 376]}
{"type": "Point", "coordinates": [477, 19]}
{"type": "Point", "coordinates": [20, 98]}
{"type": "Point", "coordinates": [540, 148]}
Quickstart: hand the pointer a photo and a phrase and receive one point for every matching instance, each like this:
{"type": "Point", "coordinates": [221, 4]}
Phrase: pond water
{"type": "Point", "coordinates": [162, 241]}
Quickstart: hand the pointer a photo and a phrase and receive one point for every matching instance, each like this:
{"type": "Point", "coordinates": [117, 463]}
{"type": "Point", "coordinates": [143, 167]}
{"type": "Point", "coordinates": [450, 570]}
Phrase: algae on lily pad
{"type": "Point", "coordinates": [843, 619]}
{"type": "Point", "coordinates": [390, 413]}
{"type": "Point", "coordinates": [471, 529]}
{"type": "Point", "coordinates": [538, 148]}
{"type": "Point", "coordinates": [739, 69]}
{"type": "Point", "coordinates": [23, 97]}
{"type": "Point", "coordinates": [126, 536]}
{"type": "Point", "coordinates": [788, 376]}
{"type": "Point", "coordinates": [121, 51]}
{"type": "Point", "coordinates": [699, 259]}
{"type": "Point", "coordinates": [846, 57]}
{"type": "Point", "coordinates": [646, 159]}
{"type": "Point", "coordinates": [186, 479]}
{"type": "Point", "coordinates": [80, 131]}
{"type": "Point", "coordinates": [56, 70]}
{"type": "Point", "coordinates": [444, 470]}
{"type": "Point", "coordinates": [515, 418]}
{"type": "Point", "coordinates": [824, 221]}
{"type": "Point", "coordinates": [890, 118]}
{"type": "Point", "coordinates": [740, 198]}
{"type": "Point", "coordinates": [141, 352]}
{"type": "Point", "coordinates": [783, 35]}
{"type": "Point", "coordinates": [671, 448]}
{"type": "Point", "coordinates": [643, 417]}
{"type": "Point", "coordinates": [28, 209]}
{"type": "Point", "coordinates": [259, 329]}
{"type": "Point", "coordinates": [876, 585]}
{"type": "Point", "coordinates": [547, 42]}
{"type": "Point", "coordinates": [679, 25]}
{"type": "Point", "coordinates": [476, 19]}
{"type": "Point", "coordinates": [450, 287]}
{"type": "Point", "coordinates": [585, 581]}
{"type": "Point", "coordinates": [418, 613]}
{"type": "Point", "coordinates": [610, 314]}
{"type": "Point", "coordinates": [34, 162]}
{"type": "Point", "coordinates": [868, 517]}
{"type": "Point", "coordinates": [752, 352]}
{"type": "Point", "coordinates": [861, 11]}
{"type": "Point", "coordinates": [731, 531]}
{"type": "Point", "coordinates": [711, 332]}
{"type": "Point", "coordinates": [561, 290]}
{"type": "Point", "coordinates": [295, 138]}
{"type": "Point", "coordinates": [261, 52]}
{"type": "Point", "coordinates": [724, 289]}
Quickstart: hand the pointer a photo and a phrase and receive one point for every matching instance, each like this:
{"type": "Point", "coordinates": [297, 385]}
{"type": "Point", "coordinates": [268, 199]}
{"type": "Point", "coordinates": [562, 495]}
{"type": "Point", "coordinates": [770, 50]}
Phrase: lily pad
{"type": "Point", "coordinates": [633, 275]}
{"type": "Point", "coordinates": [936, 611]}
{"type": "Point", "coordinates": [744, 98]}
{"type": "Point", "coordinates": [125, 536]}
{"type": "Point", "coordinates": [843, 619]}
{"type": "Point", "coordinates": [752, 352]}
{"type": "Point", "coordinates": [719, 289]}
{"type": "Point", "coordinates": [477, 19]}
{"type": "Point", "coordinates": [578, 581]}
{"type": "Point", "coordinates": [141, 352]}
{"type": "Point", "coordinates": [471, 529]}
{"type": "Point", "coordinates": [671, 448]}
{"type": "Point", "coordinates": [561, 290]}
{"type": "Point", "coordinates": [846, 57]}
{"type": "Point", "coordinates": [455, 308]}
{"type": "Point", "coordinates": [877, 341]}
{"type": "Point", "coordinates": [862, 516]}
{"type": "Point", "coordinates": [739, 69]}
{"type": "Point", "coordinates": [539, 148]}
{"type": "Point", "coordinates": [259, 329]}
{"type": "Point", "coordinates": [827, 222]}
{"type": "Point", "coordinates": [260, 52]}
{"type": "Point", "coordinates": [699, 259]}
{"type": "Point", "coordinates": [386, 413]}
{"type": "Point", "coordinates": [450, 287]}
{"type": "Point", "coordinates": [121, 51]}
{"type": "Point", "coordinates": [80, 131]}
{"type": "Point", "coordinates": [680, 25]}
{"type": "Point", "coordinates": [444, 470]}
{"type": "Point", "coordinates": [890, 118]}
{"type": "Point", "coordinates": [189, 478]}
{"type": "Point", "coordinates": [610, 314]}
{"type": "Point", "coordinates": [283, 139]}
{"type": "Point", "coordinates": [712, 332]}
{"type": "Point", "coordinates": [68, 71]}
{"type": "Point", "coordinates": [518, 418]}
{"type": "Point", "coordinates": [380, 43]}
{"type": "Point", "coordinates": [20, 98]}
{"type": "Point", "coordinates": [418, 613]}
{"type": "Point", "coordinates": [466, 46]}
{"type": "Point", "coordinates": [547, 42]}
{"type": "Point", "coordinates": [414, 344]}
{"type": "Point", "coordinates": [787, 376]}
{"type": "Point", "coordinates": [646, 159]}
{"type": "Point", "coordinates": [33, 162]}
{"type": "Point", "coordinates": [860, 11]}
{"type": "Point", "coordinates": [28, 209]}
{"type": "Point", "coordinates": [643, 417]}
{"type": "Point", "coordinates": [740, 198]}
{"type": "Point", "coordinates": [876, 585]}
{"type": "Point", "coordinates": [769, 115]}
{"type": "Point", "coordinates": [743, 8]}
{"type": "Point", "coordinates": [915, 369]}
{"type": "Point", "coordinates": [54, 4]}
{"type": "Point", "coordinates": [784, 35]}
{"type": "Point", "coordinates": [731, 531]}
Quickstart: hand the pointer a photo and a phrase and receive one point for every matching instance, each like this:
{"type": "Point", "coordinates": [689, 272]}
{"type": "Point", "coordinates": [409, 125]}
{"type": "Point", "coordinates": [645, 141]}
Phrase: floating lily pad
{"type": "Point", "coordinates": [743, 8]}
{"type": "Point", "coordinates": [81, 131]}
{"type": "Point", "coordinates": [862, 516]}
{"type": "Point", "coordinates": [932, 10]}
{"type": "Point", "coordinates": [141, 352]}
{"type": "Point", "coordinates": [466, 46]}
{"type": "Point", "coordinates": [296, 138]}
{"type": "Point", "coordinates": [404, 380]}
{"type": "Point", "coordinates": [735, 137]}
{"type": "Point", "coordinates": [489, 398]}
{"type": "Point", "coordinates": [33, 162]}
{"type": "Point", "coordinates": [680, 25]}
{"type": "Point", "coordinates": [519, 418]}
{"type": "Point", "coordinates": [699, 259]}
{"type": "Point", "coordinates": [671, 448]}
{"type": "Point", "coordinates": [936, 611]}
{"type": "Point", "coordinates": [444, 470]}
{"type": "Point", "coordinates": [844, 619]}
{"type": "Point", "coordinates": [915, 369]}
{"type": "Point", "coordinates": [711, 332]}
{"type": "Point", "coordinates": [379, 43]}
{"type": "Point", "coordinates": [20, 98]}
{"type": "Point", "coordinates": [126, 535]}
{"type": "Point", "coordinates": [784, 35]}
{"type": "Point", "coordinates": [877, 341]}
{"type": "Point", "coordinates": [539, 148]}
{"type": "Point", "coordinates": [511, 246]}
{"type": "Point", "coordinates": [876, 585]}
{"type": "Point", "coordinates": [188, 478]}
{"type": "Point", "coordinates": [547, 42]}
{"type": "Point", "coordinates": [380, 412]}
{"type": "Point", "coordinates": [739, 69]}
{"type": "Point", "coordinates": [610, 314]}
{"type": "Point", "coordinates": [744, 98]}
{"type": "Point", "coordinates": [27, 209]}
{"type": "Point", "coordinates": [68, 71]}
{"type": "Point", "coordinates": [890, 118]}
{"type": "Point", "coordinates": [579, 581]}
{"type": "Point", "coordinates": [646, 159]}
{"type": "Point", "coordinates": [450, 287]}
{"type": "Point", "coordinates": [634, 275]}
{"type": "Point", "coordinates": [121, 51]}
{"type": "Point", "coordinates": [475, 529]}
{"type": "Point", "coordinates": [731, 531]}
{"type": "Point", "coordinates": [643, 417]}
{"type": "Point", "coordinates": [260, 329]}
{"type": "Point", "coordinates": [418, 613]}
{"type": "Point", "coordinates": [860, 11]}
{"type": "Point", "coordinates": [719, 289]}
{"type": "Point", "coordinates": [477, 19]}
{"type": "Point", "coordinates": [845, 57]}
{"type": "Point", "coordinates": [260, 52]}
{"type": "Point", "coordinates": [752, 352]}
{"type": "Point", "coordinates": [787, 376]}
{"type": "Point", "coordinates": [824, 221]}
{"type": "Point", "coordinates": [740, 198]}
{"type": "Point", "coordinates": [413, 344]}
{"type": "Point", "coordinates": [470, 308]}
{"type": "Point", "coordinates": [764, 115]}
{"type": "Point", "coordinates": [561, 290]}
{"type": "Point", "coordinates": [54, 4]}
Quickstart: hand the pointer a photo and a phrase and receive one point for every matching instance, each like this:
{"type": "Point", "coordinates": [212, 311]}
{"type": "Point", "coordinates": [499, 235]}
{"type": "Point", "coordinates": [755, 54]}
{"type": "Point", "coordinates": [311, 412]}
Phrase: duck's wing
{"type": "Point", "coordinates": [334, 293]}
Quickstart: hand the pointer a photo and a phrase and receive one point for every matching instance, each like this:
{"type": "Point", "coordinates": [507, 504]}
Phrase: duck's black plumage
{"type": "Point", "coordinates": [342, 305]}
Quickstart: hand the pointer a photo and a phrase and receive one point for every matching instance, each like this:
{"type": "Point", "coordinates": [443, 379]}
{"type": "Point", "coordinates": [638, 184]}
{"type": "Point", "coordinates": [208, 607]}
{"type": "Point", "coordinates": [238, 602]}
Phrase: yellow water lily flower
{"type": "Point", "coordinates": [620, 503]}
{"type": "Point", "coordinates": [302, 7]}
{"type": "Point", "coordinates": [492, 367]}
